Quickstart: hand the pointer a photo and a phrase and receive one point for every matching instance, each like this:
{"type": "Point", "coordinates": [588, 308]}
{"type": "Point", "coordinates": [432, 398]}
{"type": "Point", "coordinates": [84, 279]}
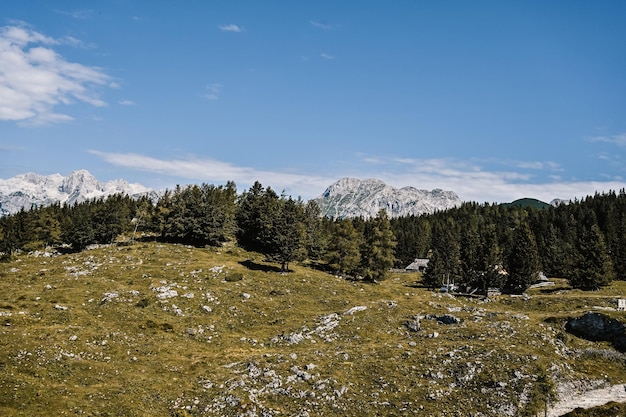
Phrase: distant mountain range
{"type": "Point", "coordinates": [351, 197]}
{"type": "Point", "coordinates": [348, 197]}
{"type": "Point", "coordinates": [32, 190]}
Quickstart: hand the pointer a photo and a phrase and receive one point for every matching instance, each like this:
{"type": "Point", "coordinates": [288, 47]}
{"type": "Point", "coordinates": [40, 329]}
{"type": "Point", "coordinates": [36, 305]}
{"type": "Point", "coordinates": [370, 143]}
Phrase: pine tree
{"type": "Point", "coordinates": [343, 254]}
{"type": "Point", "coordinates": [592, 268]}
{"type": "Point", "coordinates": [316, 237]}
{"type": "Point", "coordinates": [472, 268]}
{"type": "Point", "coordinates": [523, 264]}
{"type": "Point", "coordinates": [285, 242]}
{"type": "Point", "coordinates": [444, 262]}
{"type": "Point", "coordinates": [378, 257]}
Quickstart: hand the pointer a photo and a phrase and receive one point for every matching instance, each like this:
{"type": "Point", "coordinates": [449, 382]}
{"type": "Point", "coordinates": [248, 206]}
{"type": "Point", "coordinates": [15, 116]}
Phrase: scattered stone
{"type": "Point", "coordinates": [60, 307]}
{"type": "Point", "coordinates": [414, 324]}
{"type": "Point", "coordinates": [444, 319]}
{"type": "Point", "coordinates": [108, 296]}
{"type": "Point", "coordinates": [207, 309]}
{"type": "Point", "coordinates": [354, 310]}
{"type": "Point", "coordinates": [73, 338]}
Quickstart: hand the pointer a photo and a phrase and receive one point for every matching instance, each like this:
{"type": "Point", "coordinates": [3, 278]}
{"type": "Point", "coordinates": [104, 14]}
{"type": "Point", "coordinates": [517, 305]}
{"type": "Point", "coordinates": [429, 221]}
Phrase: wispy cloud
{"type": "Point", "coordinates": [473, 182]}
{"type": "Point", "coordinates": [327, 56]}
{"type": "Point", "coordinates": [231, 28]}
{"type": "Point", "coordinates": [619, 140]}
{"type": "Point", "coordinates": [212, 91]}
{"type": "Point", "coordinates": [469, 180]}
{"type": "Point", "coordinates": [35, 80]}
{"type": "Point", "coordinates": [213, 171]}
{"type": "Point", "coordinates": [76, 43]}
{"type": "Point", "coordinates": [323, 25]}
{"type": "Point", "coordinates": [126, 102]}
{"type": "Point", "coordinates": [77, 14]}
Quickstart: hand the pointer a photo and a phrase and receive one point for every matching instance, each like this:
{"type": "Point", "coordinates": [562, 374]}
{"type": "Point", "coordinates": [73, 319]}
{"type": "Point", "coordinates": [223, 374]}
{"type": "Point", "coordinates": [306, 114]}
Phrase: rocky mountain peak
{"type": "Point", "coordinates": [33, 190]}
{"type": "Point", "coordinates": [352, 197]}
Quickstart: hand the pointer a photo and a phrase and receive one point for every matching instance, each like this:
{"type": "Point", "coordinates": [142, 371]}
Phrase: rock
{"type": "Point", "coordinates": [207, 309]}
{"type": "Point", "coordinates": [73, 338]}
{"type": "Point", "coordinates": [445, 319]}
{"type": "Point", "coordinates": [414, 325]}
{"type": "Point", "coordinates": [294, 338]}
{"type": "Point", "coordinates": [60, 307]}
{"type": "Point", "coordinates": [598, 327]}
{"type": "Point", "coordinates": [354, 310]}
{"type": "Point", "coordinates": [108, 296]}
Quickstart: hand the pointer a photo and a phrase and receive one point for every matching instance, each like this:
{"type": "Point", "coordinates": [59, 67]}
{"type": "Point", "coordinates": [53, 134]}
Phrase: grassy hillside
{"type": "Point", "coordinates": [158, 330]}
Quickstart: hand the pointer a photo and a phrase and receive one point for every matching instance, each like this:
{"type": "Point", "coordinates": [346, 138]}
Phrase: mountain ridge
{"type": "Point", "coordinates": [352, 197]}
{"type": "Point", "coordinates": [34, 190]}
{"type": "Point", "coordinates": [346, 197]}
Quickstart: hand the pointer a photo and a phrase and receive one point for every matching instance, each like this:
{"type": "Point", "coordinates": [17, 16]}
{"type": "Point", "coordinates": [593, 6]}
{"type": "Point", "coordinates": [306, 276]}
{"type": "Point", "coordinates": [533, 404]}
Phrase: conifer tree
{"type": "Point", "coordinates": [285, 242]}
{"type": "Point", "coordinates": [343, 254]}
{"type": "Point", "coordinates": [592, 267]}
{"type": "Point", "coordinates": [523, 263]}
{"type": "Point", "coordinates": [444, 262]}
{"type": "Point", "coordinates": [316, 238]}
{"type": "Point", "coordinates": [378, 257]}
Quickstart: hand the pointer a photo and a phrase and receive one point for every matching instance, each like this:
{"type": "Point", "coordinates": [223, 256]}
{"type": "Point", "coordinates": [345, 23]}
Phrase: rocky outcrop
{"type": "Point", "coordinates": [32, 190]}
{"type": "Point", "coordinates": [599, 327]}
{"type": "Point", "coordinates": [351, 197]}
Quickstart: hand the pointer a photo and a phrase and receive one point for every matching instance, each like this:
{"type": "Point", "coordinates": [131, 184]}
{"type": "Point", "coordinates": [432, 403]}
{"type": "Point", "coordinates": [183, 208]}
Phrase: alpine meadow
{"type": "Point", "coordinates": [212, 303]}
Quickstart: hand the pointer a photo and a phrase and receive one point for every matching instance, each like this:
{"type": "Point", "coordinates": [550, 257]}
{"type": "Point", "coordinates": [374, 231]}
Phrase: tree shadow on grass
{"type": "Point", "coordinates": [552, 290]}
{"type": "Point", "coordinates": [253, 266]}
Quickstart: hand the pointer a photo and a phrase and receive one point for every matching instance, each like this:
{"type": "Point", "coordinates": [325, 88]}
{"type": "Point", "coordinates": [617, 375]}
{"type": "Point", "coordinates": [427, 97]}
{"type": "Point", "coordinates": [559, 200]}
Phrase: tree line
{"type": "Point", "coordinates": [506, 246]}
{"type": "Point", "coordinates": [283, 229]}
{"type": "Point", "coordinates": [478, 245]}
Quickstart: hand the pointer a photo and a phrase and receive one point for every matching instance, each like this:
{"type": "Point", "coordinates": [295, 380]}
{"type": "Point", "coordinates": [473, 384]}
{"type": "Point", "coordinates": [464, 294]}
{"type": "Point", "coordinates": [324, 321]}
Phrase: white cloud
{"type": "Point", "coordinates": [213, 171]}
{"type": "Point", "coordinates": [77, 14]}
{"type": "Point", "coordinates": [468, 179]}
{"type": "Point", "coordinates": [231, 28]}
{"type": "Point", "coordinates": [473, 183]}
{"type": "Point", "coordinates": [212, 91]}
{"type": "Point", "coordinates": [126, 102]}
{"type": "Point", "coordinates": [327, 56]}
{"type": "Point", "coordinates": [34, 79]}
{"type": "Point", "coordinates": [619, 140]}
{"type": "Point", "coordinates": [323, 25]}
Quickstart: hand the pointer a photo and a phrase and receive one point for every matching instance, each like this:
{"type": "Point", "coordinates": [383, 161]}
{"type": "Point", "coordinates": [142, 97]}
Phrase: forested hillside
{"type": "Point", "coordinates": [584, 241]}
{"type": "Point", "coordinates": [478, 245]}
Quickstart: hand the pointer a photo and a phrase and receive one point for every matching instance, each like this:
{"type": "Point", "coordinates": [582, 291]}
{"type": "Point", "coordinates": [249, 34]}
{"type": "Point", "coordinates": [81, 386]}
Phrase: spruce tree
{"type": "Point", "coordinates": [316, 237]}
{"type": "Point", "coordinates": [444, 263]}
{"type": "Point", "coordinates": [378, 257]}
{"type": "Point", "coordinates": [342, 254]}
{"type": "Point", "coordinates": [592, 267]}
{"type": "Point", "coordinates": [523, 264]}
{"type": "Point", "coordinates": [285, 240]}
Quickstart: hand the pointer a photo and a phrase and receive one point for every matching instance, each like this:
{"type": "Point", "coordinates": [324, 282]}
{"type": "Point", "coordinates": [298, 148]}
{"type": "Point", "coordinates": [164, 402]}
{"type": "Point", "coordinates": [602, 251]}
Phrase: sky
{"type": "Point", "coordinates": [494, 100]}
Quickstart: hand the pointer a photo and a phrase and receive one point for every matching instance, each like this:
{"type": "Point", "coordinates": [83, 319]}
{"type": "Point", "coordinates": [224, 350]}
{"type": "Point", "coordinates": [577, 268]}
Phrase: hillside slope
{"type": "Point", "coordinates": [161, 330]}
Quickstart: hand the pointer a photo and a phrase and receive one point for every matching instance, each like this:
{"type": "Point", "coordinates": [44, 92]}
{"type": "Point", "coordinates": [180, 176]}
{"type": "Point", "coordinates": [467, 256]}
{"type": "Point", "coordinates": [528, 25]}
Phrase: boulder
{"type": "Point", "coordinates": [598, 327]}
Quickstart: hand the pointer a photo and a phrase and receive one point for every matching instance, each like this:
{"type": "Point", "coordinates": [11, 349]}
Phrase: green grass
{"type": "Point", "coordinates": [68, 348]}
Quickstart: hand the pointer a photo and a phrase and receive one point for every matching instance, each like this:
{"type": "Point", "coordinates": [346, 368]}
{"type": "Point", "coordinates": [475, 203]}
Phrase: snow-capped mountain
{"type": "Point", "coordinates": [33, 190]}
{"type": "Point", "coordinates": [351, 197]}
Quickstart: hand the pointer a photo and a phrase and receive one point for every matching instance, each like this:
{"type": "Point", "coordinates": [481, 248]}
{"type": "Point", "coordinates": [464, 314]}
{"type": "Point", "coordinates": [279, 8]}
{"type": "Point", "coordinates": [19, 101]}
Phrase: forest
{"type": "Point", "coordinates": [477, 245]}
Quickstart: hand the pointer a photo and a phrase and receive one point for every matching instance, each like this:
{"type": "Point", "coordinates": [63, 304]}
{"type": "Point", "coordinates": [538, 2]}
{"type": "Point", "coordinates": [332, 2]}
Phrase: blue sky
{"type": "Point", "coordinates": [493, 100]}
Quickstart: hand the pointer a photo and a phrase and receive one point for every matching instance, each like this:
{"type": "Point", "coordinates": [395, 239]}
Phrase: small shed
{"type": "Point", "coordinates": [418, 265]}
{"type": "Point", "coordinates": [621, 304]}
